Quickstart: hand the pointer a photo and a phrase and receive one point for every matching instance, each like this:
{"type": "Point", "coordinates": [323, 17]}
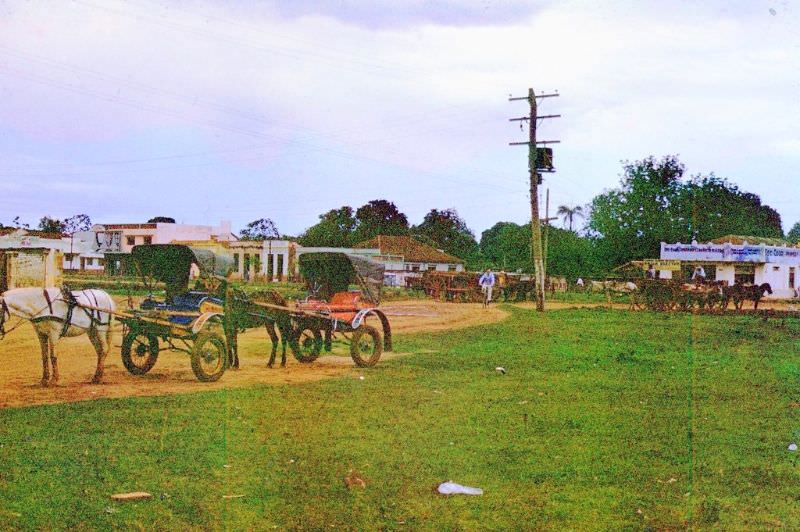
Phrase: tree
{"type": "Point", "coordinates": [379, 217]}
{"type": "Point", "coordinates": [794, 233]}
{"type": "Point", "coordinates": [447, 231]}
{"type": "Point", "coordinates": [73, 224]}
{"type": "Point", "coordinates": [569, 213]}
{"type": "Point", "coordinates": [161, 220]}
{"type": "Point", "coordinates": [261, 229]}
{"type": "Point", "coordinates": [19, 224]}
{"type": "Point", "coordinates": [335, 229]}
{"type": "Point", "coordinates": [50, 225]}
{"type": "Point", "coordinates": [653, 205]}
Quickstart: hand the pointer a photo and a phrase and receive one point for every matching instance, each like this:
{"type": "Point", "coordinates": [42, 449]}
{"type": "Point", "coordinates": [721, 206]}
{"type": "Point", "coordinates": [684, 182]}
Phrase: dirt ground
{"type": "Point", "coordinates": [21, 363]}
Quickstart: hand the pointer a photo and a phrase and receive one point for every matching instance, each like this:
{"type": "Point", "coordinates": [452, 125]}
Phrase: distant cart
{"type": "Point", "coordinates": [344, 295]}
{"type": "Point", "coordinates": [192, 321]}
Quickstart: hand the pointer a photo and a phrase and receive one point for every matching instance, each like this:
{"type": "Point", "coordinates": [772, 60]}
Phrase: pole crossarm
{"type": "Point", "coordinates": [517, 98]}
{"type": "Point", "coordinates": [527, 143]}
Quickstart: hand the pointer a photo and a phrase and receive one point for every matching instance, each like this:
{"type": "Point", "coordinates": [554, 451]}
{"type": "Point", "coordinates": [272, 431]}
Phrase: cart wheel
{"type": "Point", "coordinates": [306, 344]}
{"type": "Point", "coordinates": [139, 352]}
{"type": "Point", "coordinates": [366, 346]}
{"type": "Point", "coordinates": [209, 357]}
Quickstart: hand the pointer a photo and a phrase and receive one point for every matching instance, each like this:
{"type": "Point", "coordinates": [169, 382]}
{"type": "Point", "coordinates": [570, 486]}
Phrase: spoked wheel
{"type": "Point", "coordinates": [306, 344]}
{"type": "Point", "coordinates": [209, 357]}
{"type": "Point", "coordinates": [139, 352]}
{"type": "Point", "coordinates": [366, 346]}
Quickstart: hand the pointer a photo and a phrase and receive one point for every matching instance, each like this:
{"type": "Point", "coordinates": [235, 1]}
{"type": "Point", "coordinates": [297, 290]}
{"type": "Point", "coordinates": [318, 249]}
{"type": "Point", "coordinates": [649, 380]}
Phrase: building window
{"type": "Point", "coordinates": [415, 267]}
{"type": "Point", "coordinates": [431, 267]}
{"type": "Point", "coordinates": [89, 261]}
{"type": "Point", "coordinates": [280, 266]}
{"type": "Point", "coordinates": [256, 264]}
{"type": "Point", "coordinates": [101, 262]}
{"type": "Point", "coordinates": [791, 277]}
{"type": "Point", "coordinates": [148, 239]}
{"type": "Point", "coordinates": [131, 240]}
{"type": "Point", "coordinates": [451, 267]}
{"type": "Point", "coordinates": [270, 269]}
{"type": "Point", "coordinates": [236, 262]}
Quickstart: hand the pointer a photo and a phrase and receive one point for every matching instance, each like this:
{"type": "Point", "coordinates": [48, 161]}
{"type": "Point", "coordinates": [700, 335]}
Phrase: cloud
{"type": "Point", "coordinates": [245, 107]}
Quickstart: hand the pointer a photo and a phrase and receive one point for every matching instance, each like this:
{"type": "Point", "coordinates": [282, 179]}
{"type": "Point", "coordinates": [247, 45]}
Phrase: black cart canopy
{"type": "Point", "coordinates": [329, 273]}
{"type": "Point", "coordinates": [171, 264]}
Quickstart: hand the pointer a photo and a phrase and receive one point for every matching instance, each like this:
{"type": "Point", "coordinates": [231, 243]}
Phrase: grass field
{"type": "Point", "coordinates": [605, 419]}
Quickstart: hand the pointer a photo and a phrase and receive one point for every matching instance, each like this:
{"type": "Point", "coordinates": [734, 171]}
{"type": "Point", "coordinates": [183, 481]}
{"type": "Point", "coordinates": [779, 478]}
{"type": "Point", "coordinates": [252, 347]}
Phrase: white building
{"type": "Point", "coordinates": [747, 260]}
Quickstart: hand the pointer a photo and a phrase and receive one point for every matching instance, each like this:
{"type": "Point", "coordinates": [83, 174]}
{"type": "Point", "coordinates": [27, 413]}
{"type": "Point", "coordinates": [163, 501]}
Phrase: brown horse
{"type": "Point", "coordinates": [273, 322]}
{"type": "Point", "coordinates": [744, 292]}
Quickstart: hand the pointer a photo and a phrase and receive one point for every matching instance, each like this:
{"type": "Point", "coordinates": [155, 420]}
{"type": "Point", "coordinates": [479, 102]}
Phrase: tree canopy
{"type": "Point", "coordinates": [654, 204]}
{"type": "Point", "coordinates": [379, 217]}
{"type": "Point", "coordinates": [79, 222]}
{"type": "Point", "coordinates": [50, 225]}
{"type": "Point", "coordinates": [161, 220]}
{"type": "Point", "coordinates": [335, 229]}
{"type": "Point", "coordinates": [794, 233]}
{"type": "Point", "coordinates": [261, 229]}
{"type": "Point", "coordinates": [445, 230]}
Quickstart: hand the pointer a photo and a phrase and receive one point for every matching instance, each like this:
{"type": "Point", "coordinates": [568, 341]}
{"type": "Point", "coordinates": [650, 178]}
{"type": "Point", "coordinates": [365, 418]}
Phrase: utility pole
{"type": "Point", "coordinates": [535, 175]}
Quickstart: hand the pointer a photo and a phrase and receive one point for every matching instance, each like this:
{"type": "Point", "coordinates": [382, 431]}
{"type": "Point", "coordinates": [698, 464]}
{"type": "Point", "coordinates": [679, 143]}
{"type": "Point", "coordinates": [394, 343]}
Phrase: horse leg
{"type": "Point", "coordinates": [285, 332]}
{"type": "Point", "coordinates": [273, 338]}
{"type": "Point", "coordinates": [100, 348]}
{"type": "Point", "coordinates": [45, 362]}
{"type": "Point", "coordinates": [51, 344]}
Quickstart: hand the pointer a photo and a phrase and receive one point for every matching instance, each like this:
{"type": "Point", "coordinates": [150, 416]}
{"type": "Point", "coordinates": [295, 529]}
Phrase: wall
{"type": "Point", "coordinates": [33, 267]}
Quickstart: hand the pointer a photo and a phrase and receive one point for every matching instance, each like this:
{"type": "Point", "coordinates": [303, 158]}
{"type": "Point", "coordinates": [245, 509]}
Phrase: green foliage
{"type": "Point", "coordinates": [445, 230]}
{"type": "Point", "coordinates": [379, 217]}
{"type": "Point", "coordinates": [794, 233]}
{"type": "Point", "coordinates": [654, 205]}
{"type": "Point", "coordinates": [261, 229]}
{"type": "Point", "coordinates": [334, 229]}
{"type": "Point", "coordinates": [615, 420]}
{"type": "Point", "coordinates": [507, 246]}
{"type": "Point", "coordinates": [50, 225]}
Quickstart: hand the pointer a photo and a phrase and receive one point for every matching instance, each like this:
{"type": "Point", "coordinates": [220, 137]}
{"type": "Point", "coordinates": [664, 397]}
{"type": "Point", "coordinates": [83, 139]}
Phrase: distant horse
{"type": "Point", "coordinates": [274, 323]}
{"type": "Point", "coordinates": [744, 292]}
{"type": "Point", "coordinates": [54, 314]}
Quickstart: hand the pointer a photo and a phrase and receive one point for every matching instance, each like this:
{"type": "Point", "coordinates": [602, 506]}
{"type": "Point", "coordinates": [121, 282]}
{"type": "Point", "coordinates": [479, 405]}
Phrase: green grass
{"type": "Point", "coordinates": [604, 420]}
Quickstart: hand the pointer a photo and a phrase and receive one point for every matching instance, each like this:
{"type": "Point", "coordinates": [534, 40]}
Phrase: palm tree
{"type": "Point", "coordinates": [569, 213]}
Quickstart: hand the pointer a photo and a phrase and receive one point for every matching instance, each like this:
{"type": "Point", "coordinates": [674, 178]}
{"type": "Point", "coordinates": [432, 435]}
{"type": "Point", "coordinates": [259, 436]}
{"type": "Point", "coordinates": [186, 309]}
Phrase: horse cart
{"type": "Point", "coordinates": [192, 321]}
{"type": "Point", "coordinates": [344, 293]}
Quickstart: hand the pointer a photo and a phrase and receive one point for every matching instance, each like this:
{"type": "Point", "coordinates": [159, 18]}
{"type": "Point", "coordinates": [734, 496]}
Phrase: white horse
{"type": "Point", "coordinates": [54, 314]}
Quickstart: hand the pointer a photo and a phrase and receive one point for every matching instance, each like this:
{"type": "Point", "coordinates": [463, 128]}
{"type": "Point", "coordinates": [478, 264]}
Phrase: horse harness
{"type": "Point", "coordinates": [68, 297]}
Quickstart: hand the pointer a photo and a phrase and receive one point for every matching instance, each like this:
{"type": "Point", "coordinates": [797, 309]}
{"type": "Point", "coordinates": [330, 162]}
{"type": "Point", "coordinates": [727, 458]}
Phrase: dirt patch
{"type": "Point", "coordinates": [21, 366]}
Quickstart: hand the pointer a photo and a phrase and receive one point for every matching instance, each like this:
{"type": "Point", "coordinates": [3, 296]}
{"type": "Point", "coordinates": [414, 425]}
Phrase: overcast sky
{"type": "Point", "coordinates": [204, 111]}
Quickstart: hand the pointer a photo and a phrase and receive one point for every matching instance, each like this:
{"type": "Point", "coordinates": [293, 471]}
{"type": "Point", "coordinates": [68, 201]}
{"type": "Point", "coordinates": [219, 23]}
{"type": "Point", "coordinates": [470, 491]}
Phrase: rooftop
{"type": "Point", "coordinates": [412, 250]}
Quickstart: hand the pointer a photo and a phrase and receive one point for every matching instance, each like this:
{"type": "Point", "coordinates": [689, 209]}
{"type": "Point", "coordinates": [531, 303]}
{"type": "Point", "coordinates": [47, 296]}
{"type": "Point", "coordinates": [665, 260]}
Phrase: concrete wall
{"type": "Point", "coordinates": [32, 267]}
{"type": "Point", "coordinates": [777, 275]}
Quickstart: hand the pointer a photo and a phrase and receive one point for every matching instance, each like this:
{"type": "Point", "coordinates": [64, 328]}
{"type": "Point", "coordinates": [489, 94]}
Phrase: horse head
{"type": "Point", "coordinates": [766, 288]}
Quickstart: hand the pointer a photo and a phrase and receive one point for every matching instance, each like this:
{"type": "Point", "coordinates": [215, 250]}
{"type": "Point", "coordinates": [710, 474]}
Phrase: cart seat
{"type": "Point", "coordinates": [341, 302]}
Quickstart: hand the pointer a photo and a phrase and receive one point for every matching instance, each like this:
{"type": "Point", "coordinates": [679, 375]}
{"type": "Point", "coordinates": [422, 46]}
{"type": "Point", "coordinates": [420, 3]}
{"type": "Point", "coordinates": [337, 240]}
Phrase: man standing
{"type": "Point", "coordinates": [487, 283]}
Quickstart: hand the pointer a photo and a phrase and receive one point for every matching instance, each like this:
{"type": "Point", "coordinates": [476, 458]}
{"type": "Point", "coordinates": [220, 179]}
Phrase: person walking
{"type": "Point", "coordinates": [486, 283]}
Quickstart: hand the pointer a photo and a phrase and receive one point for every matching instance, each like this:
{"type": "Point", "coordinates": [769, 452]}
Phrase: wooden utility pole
{"type": "Point", "coordinates": [536, 227]}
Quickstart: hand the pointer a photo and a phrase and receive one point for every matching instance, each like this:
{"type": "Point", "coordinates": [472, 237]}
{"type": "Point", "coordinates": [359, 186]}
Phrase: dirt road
{"type": "Point", "coordinates": [21, 364]}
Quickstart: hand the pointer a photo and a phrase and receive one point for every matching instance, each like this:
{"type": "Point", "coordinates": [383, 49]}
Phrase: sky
{"type": "Point", "coordinates": [207, 111]}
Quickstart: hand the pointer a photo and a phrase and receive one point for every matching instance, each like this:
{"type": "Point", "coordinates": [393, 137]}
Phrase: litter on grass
{"type": "Point", "coordinates": [500, 370]}
{"type": "Point", "coordinates": [451, 488]}
{"type": "Point", "coordinates": [792, 446]}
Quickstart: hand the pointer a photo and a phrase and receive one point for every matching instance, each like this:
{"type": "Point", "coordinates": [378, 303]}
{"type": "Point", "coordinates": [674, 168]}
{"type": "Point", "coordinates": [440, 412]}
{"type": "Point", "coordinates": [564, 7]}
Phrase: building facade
{"type": "Point", "coordinates": [736, 260]}
{"type": "Point", "coordinates": [404, 257]}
